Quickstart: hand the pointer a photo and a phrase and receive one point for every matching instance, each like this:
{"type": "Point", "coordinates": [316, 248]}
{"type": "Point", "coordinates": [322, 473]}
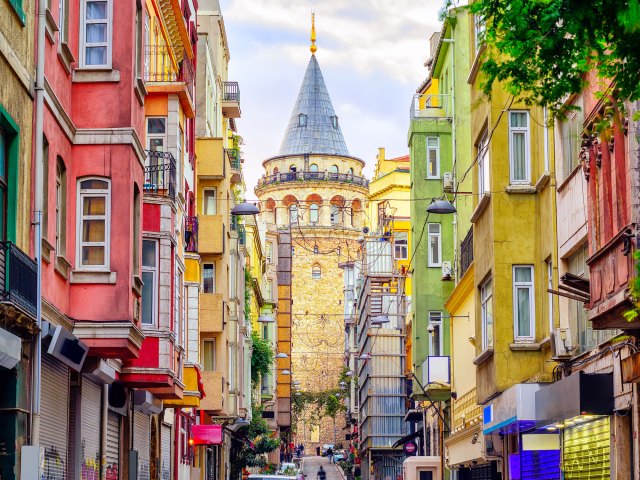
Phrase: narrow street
{"type": "Point", "coordinates": [310, 466]}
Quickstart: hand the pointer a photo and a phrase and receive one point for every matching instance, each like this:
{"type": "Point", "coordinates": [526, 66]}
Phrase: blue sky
{"type": "Point", "coordinates": [371, 53]}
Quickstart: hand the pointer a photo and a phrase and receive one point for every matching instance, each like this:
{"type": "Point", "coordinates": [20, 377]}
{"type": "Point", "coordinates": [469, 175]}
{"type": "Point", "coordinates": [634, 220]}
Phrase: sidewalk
{"type": "Point", "coordinates": [311, 465]}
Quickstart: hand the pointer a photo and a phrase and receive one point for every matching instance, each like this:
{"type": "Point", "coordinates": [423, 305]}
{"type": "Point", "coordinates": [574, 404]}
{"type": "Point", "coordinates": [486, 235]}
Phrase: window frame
{"type": "Point", "coordinates": [205, 342]}
{"type": "Point", "coordinates": [61, 207]}
{"type": "Point", "coordinates": [215, 202]}
{"type": "Point", "coordinates": [155, 284]}
{"type": "Point", "coordinates": [429, 149]}
{"type": "Point", "coordinates": [435, 319]}
{"type": "Point", "coordinates": [213, 269]}
{"type": "Point", "coordinates": [486, 300]}
{"type": "Point", "coordinates": [108, 43]}
{"type": "Point", "coordinates": [151, 136]}
{"type": "Point", "coordinates": [484, 162]}
{"type": "Point", "coordinates": [479, 28]}
{"type": "Point", "coordinates": [403, 245]}
{"type": "Point", "coordinates": [549, 264]}
{"type": "Point", "coordinates": [527, 151]}
{"type": "Point", "coordinates": [314, 211]}
{"type": "Point", "coordinates": [294, 214]}
{"type": "Point", "coordinates": [316, 267]}
{"type": "Point", "coordinates": [105, 267]}
{"type": "Point", "coordinates": [430, 262]}
{"type": "Point", "coordinates": [530, 287]}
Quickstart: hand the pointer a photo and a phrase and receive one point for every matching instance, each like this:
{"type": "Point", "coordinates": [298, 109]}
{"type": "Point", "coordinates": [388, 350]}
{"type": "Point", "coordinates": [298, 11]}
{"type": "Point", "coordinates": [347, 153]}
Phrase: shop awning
{"type": "Point", "coordinates": [514, 410]}
{"type": "Point", "coordinates": [407, 438]}
{"type": "Point", "coordinates": [413, 416]}
{"type": "Point", "coordinates": [578, 394]}
{"type": "Point", "coordinates": [10, 349]}
{"type": "Point", "coordinates": [206, 434]}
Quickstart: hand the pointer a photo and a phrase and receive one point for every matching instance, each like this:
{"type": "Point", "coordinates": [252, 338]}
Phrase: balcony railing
{"type": "Point", "coordinates": [466, 252]}
{"type": "Point", "coordinates": [160, 68]}
{"type": "Point", "coordinates": [234, 158]}
{"type": "Point", "coordinates": [18, 277]}
{"type": "Point", "coordinates": [191, 234]}
{"type": "Point", "coordinates": [242, 235]}
{"type": "Point", "coordinates": [231, 92]}
{"type": "Point", "coordinates": [160, 174]}
{"type": "Point", "coordinates": [430, 106]}
{"type": "Point", "coordinates": [313, 176]}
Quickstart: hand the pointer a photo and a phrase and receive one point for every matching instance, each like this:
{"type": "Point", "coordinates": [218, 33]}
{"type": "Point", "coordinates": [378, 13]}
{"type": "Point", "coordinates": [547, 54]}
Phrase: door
{"type": "Point", "coordinates": [141, 435]}
{"type": "Point", "coordinates": [90, 415]}
{"type": "Point", "coordinates": [165, 454]}
{"type": "Point", "coordinates": [54, 418]}
{"type": "Point", "coordinates": [113, 446]}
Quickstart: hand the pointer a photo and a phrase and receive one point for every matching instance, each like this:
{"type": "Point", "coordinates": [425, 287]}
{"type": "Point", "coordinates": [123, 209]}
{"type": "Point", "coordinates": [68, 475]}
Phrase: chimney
{"type": "Point", "coordinates": [380, 157]}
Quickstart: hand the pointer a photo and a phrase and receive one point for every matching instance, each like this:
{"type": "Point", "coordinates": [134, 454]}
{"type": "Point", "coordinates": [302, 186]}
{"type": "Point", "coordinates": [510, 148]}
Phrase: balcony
{"type": "Point", "coordinates": [235, 163]}
{"type": "Point", "coordinates": [312, 177]}
{"type": "Point", "coordinates": [160, 174]}
{"type": "Point", "coordinates": [211, 234]}
{"type": "Point", "coordinates": [466, 252]}
{"type": "Point", "coordinates": [211, 313]}
{"type": "Point", "coordinates": [191, 377]}
{"type": "Point", "coordinates": [214, 389]}
{"type": "Point", "coordinates": [210, 158]}
{"type": "Point", "coordinates": [191, 234]}
{"type": "Point", "coordinates": [231, 100]}
{"type": "Point", "coordinates": [430, 106]}
{"type": "Point", "coordinates": [236, 226]}
{"type": "Point", "coordinates": [18, 278]}
{"type": "Point", "coordinates": [162, 74]}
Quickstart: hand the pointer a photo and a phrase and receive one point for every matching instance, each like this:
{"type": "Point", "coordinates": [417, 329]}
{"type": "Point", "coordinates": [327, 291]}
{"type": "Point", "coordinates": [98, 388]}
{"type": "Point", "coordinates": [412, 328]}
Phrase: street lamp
{"type": "Point", "coordinates": [282, 355]}
{"type": "Point", "coordinates": [286, 372]}
{"type": "Point", "coordinates": [266, 319]}
{"type": "Point", "coordinates": [245, 208]}
{"type": "Point", "coordinates": [441, 206]}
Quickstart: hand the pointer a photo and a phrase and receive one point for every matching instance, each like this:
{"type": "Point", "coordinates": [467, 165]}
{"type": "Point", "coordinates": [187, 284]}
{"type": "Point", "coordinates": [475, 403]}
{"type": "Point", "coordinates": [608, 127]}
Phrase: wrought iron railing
{"type": "Point", "coordinates": [18, 277]}
{"type": "Point", "coordinates": [234, 158]}
{"type": "Point", "coordinates": [231, 92]}
{"type": "Point", "coordinates": [191, 234]}
{"type": "Point", "coordinates": [466, 252]}
{"type": "Point", "coordinates": [160, 68]}
{"type": "Point", "coordinates": [160, 174]}
{"type": "Point", "coordinates": [313, 176]}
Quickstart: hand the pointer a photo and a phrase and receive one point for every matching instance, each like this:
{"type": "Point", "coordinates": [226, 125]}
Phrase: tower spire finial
{"type": "Point", "coordinates": [313, 47]}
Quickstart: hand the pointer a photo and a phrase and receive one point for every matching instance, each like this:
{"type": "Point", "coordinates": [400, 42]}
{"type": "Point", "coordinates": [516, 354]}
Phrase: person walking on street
{"type": "Point", "coordinates": [330, 455]}
{"type": "Point", "coordinates": [322, 475]}
{"type": "Point", "coordinates": [318, 451]}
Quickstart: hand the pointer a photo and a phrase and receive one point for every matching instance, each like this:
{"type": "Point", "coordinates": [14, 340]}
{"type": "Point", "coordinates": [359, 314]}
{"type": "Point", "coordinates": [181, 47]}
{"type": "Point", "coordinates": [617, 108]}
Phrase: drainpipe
{"type": "Point", "coordinates": [37, 220]}
{"type": "Point", "coordinates": [454, 149]}
{"type": "Point", "coordinates": [103, 431]}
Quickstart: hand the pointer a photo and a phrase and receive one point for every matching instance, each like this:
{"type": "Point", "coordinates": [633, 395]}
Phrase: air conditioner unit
{"type": "Point", "coordinates": [446, 271]}
{"type": "Point", "coordinates": [488, 449]}
{"type": "Point", "coordinates": [447, 181]}
{"type": "Point", "coordinates": [561, 347]}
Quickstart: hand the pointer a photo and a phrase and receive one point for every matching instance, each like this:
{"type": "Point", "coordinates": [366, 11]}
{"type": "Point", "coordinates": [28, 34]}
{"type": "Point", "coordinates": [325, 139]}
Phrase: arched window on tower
{"type": "Point", "coordinates": [334, 121]}
{"type": "Point", "coordinates": [313, 213]}
{"type": "Point", "coordinates": [335, 214]}
{"type": "Point", "coordinates": [316, 272]}
{"type": "Point", "coordinates": [316, 250]}
{"type": "Point", "coordinates": [293, 213]}
{"type": "Point", "coordinates": [333, 169]}
{"type": "Point", "coordinates": [313, 167]}
{"type": "Point", "coordinates": [302, 120]}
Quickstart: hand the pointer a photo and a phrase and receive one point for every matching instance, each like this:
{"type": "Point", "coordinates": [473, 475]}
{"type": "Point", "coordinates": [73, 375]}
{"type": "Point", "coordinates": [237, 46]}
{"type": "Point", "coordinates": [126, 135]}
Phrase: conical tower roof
{"type": "Point", "coordinates": [313, 126]}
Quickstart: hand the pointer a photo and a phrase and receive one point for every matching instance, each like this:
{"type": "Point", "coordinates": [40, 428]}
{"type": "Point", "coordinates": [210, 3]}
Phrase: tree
{"type": "Point", "coordinates": [261, 358]}
{"type": "Point", "coordinates": [541, 50]}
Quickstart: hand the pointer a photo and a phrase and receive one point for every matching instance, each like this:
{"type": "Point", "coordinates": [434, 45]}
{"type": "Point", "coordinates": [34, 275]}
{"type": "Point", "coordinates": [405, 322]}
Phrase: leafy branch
{"type": "Point", "coordinates": [261, 358]}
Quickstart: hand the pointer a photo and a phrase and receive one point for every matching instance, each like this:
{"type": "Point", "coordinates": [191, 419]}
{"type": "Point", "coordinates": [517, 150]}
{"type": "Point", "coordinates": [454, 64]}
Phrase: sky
{"type": "Point", "coordinates": [371, 53]}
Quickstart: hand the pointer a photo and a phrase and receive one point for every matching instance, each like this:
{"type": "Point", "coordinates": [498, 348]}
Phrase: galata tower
{"type": "Point", "coordinates": [316, 189]}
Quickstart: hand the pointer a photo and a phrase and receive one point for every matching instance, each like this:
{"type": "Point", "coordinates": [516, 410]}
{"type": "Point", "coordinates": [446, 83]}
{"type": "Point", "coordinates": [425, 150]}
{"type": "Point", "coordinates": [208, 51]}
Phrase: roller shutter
{"type": "Point", "coordinates": [141, 434]}
{"type": "Point", "coordinates": [587, 451]}
{"type": "Point", "coordinates": [90, 415]}
{"type": "Point", "coordinates": [166, 452]}
{"type": "Point", "coordinates": [54, 421]}
{"type": "Point", "coordinates": [113, 446]}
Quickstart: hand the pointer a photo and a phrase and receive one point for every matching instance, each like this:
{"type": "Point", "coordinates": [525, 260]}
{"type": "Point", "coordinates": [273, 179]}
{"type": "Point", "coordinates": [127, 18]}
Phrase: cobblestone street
{"type": "Point", "coordinates": [310, 466]}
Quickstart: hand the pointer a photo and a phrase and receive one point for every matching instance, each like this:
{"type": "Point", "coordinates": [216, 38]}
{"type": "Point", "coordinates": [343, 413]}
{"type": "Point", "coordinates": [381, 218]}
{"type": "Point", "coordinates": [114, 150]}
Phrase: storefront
{"type": "Point", "coordinates": [577, 410]}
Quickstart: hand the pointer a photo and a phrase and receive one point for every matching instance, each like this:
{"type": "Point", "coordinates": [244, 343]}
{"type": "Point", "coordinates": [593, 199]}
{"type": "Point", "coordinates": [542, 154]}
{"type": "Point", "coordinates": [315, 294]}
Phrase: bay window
{"type": "Point", "coordinates": [483, 164]}
{"type": "Point", "coordinates": [433, 157]}
{"type": "Point", "coordinates": [523, 303]}
{"type": "Point", "coordinates": [95, 33]}
{"type": "Point", "coordinates": [94, 220]}
{"type": "Point", "coordinates": [486, 311]}
{"type": "Point", "coordinates": [150, 281]}
{"type": "Point", "coordinates": [435, 245]}
{"type": "Point", "coordinates": [435, 334]}
{"type": "Point", "coordinates": [519, 147]}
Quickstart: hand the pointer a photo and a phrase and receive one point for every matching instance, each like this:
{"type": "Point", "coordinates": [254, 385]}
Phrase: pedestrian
{"type": "Point", "coordinates": [318, 450]}
{"type": "Point", "coordinates": [322, 475]}
{"type": "Point", "coordinates": [330, 455]}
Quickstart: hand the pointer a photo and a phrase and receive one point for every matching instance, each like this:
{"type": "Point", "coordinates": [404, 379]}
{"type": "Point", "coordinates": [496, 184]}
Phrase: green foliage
{"type": "Point", "coordinates": [258, 442]}
{"type": "Point", "coordinates": [541, 50]}
{"type": "Point", "coordinates": [261, 358]}
{"type": "Point", "coordinates": [312, 407]}
{"type": "Point", "coordinates": [634, 288]}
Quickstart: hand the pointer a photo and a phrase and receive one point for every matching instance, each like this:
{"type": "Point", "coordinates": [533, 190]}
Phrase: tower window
{"type": "Point", "coordinates": [316, 272]}
{"type": "Point", "coordinates": [302, 120]}
{"type": "Point", "coordinates": [334, 121]}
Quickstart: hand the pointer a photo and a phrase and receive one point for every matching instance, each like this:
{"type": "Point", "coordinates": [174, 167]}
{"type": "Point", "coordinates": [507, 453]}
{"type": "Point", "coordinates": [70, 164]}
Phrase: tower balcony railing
{"type": "Point", "coordinates": [18, 277]}
{"type": "Point", "coordinates": [314, 177]}
{"type": "Point", "coordinates": [430, 106]}
{"type": "Point", "coordinates": [160, 174]}
{"type": "Point", "coordinates": [191, 234]}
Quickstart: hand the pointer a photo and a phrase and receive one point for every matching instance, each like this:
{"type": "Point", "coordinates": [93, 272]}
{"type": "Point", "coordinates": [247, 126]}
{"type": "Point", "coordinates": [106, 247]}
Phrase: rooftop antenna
{"type": "Point", "coordinates": [313, 47]}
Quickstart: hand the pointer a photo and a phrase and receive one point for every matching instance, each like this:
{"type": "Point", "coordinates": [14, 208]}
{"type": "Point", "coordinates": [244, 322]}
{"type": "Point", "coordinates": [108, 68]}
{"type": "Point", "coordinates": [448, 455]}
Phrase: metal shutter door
{"type": "Point", "coordinates": [141, 436]}
{"type": "Point", "coordinates": [587, 451]}
{"type": "Point", "coordinates": [54, 417]}
{"type": "Point", "coordinates": [166, 452]}
{"type": "Point", "coordinates": [91, 405]}
{"type": "Point", "coordinates": [113, 446]}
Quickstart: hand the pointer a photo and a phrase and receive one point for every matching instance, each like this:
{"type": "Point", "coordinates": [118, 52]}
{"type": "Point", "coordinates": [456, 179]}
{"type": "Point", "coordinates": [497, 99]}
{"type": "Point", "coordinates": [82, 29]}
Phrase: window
{"type": "Point", "coordinates": [313, 167]}
{"type": "Point", "coordinates": [335, 214]}
{"type": "Point", "coordinates": [95, 33]}
{"type": "Point", "coordinates": [209, 355]}
{"type": "Point", "coordinates": [209, 278]}
{"type": "Point", "coordinates": [434, 245]}
{"type": "Point", "coordinates": [479, 29]}
{"type": "Point", "coordinates": [209, 206]}
{"type": "Point", "coordinates": [61, 208]}
{"type": "Point", "coordinates": [45, 187]}
{"type": "Point", "coordinates": [483, 164]}
{"type": "Point", "coordinates": [4, 161]}
{"type": "Point", "coordinates": [156, 133]}
{"type": "Point", "coordinates": [293, 213]}
{"type": "Point", "coordinates": [178, 326]}
{"type": "Point", "coordinates": [315, 249]}
{"type": "Point", "coordinates": [93, 224]}
{"type": "Point", "coordinates": [435, 336]}
{"type": "Point", "coordinates": [351, 171]}
{"type": "Point", "coordinates": [269, 252]}
{"type": "Point", "coordinates": [63, 27]}
{"type": "Point", "coordinates": [570, 132]}
{"type": "Point", "coordinates": [150, 281]}
{"type": "Point", "coordinates": [549, 294]}
{"type": "Point", "coordinates": [523, 303]}
{"type": "Point", "coordinates": [139, 39]}
{"type": "Point", "coordinates": [302, 120]}
{"type": "Point", "coordinates": [486, 306]}
{"type": "Point", "coordinates": [334, 121]}
{"type": "Point", "coordinates": [316, 272]}
{"type": "Point", "coordinates": [401, 245]}
{"type": "Point", "coordinates": [293, 168]}
{"type": "Point", "coordinates": [136, 230]}
{"type": "Point", "coordinates": [519, 147]}
{"type": "Point", "coordinates": [270, 289]}
{"type": "Point", "coordinates": [333, 169]}
{"type": "Point", "coordinates": [433, 157]}
{"type": "Point", "coordinates": [314, 213]}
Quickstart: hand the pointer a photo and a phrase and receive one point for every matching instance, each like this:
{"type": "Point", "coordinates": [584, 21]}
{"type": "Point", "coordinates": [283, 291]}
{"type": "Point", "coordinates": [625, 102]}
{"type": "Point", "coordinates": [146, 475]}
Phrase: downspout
{"type": "Point", "coordinates": [547, 167]}
{"type": "Point", "coordinates": [103, 432]}
{"type": "Point", "coordinates": [37, 220]}
{"type": "Point", "coordinates": [454, 149]}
